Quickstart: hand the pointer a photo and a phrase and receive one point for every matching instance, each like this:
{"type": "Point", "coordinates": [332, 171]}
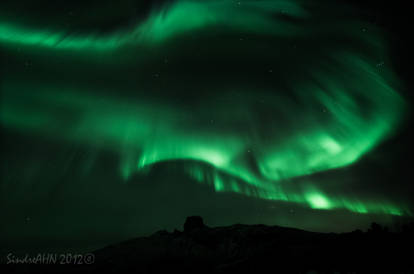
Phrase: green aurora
{"type": "Point", "coordinates": [328, 104]}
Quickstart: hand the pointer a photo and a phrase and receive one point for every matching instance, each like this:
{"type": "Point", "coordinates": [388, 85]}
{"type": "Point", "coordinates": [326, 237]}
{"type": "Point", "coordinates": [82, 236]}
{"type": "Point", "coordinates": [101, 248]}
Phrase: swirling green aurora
{"type": "Point", "coordinates": [285, 93]}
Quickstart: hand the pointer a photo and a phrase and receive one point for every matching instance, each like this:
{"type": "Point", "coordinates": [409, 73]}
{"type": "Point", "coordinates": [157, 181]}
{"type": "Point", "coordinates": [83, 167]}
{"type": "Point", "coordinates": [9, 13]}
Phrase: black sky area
{"type": "Point", "coordinates": [74, 214]}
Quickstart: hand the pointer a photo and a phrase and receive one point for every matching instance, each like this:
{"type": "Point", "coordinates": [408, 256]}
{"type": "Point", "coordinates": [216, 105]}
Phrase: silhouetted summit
{"type": "Point", "coordinates": [192, 223]}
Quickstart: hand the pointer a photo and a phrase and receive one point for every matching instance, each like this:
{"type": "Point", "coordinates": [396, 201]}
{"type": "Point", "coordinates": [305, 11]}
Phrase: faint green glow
{"type": "Point", "coordinates": [356, 206]}
{"type": "Point", "coordinates": [218, 183]}
{"type": "Point", "coordinates": [345, 105]}
{"type": "Point", "coordinates": [179, 18]}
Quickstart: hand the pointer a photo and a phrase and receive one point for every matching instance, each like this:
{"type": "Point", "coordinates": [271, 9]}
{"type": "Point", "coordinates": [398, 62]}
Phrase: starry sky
{"type": "Point", "coordinates": [120, 118]}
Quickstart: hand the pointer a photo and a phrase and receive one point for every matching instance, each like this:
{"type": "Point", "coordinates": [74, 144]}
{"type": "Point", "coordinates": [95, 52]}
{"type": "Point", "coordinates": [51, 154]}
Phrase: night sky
{"type": "Point", "coordinates": [121, 118]}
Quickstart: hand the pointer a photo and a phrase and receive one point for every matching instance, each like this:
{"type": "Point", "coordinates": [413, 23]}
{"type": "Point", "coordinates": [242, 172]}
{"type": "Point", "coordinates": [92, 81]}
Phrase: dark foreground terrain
{"type": "Point", "coordinates": [249, 249]}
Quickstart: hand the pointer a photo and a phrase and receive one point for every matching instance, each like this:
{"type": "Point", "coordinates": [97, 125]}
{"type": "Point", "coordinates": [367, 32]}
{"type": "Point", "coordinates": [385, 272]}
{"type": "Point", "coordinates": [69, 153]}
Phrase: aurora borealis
{"type": "Point", "coordinates": [268, 99]}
